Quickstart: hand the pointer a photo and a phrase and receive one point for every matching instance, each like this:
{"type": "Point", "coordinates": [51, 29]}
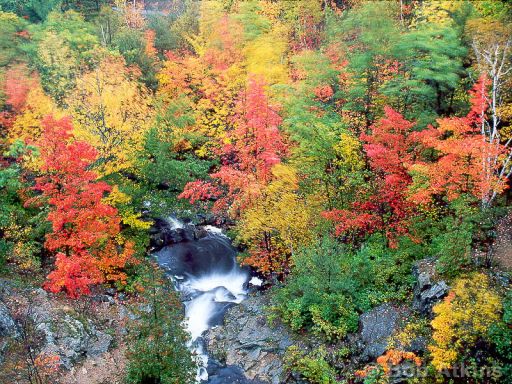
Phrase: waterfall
{"type": "Point", "coordinates": [205, 272]}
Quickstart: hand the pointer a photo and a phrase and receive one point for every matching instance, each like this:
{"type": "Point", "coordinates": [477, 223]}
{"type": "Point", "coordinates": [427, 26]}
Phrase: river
{"type": "Point", "coordinates": [205, 272]}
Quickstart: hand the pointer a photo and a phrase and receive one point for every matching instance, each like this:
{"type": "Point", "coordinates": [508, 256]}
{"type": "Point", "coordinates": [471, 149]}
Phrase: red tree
{"type": "Point", "coordinates": [254, 146]}
{"type": "Point", "coordinates": [471, 161]}
{"type": "Point", "coordinates": [392, 147]}
{"type": "Point", "coordinates": [84, 229]}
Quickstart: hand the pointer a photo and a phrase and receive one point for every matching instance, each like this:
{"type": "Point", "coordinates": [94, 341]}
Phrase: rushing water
{"type": "Point", "coordinates": [206, 273]}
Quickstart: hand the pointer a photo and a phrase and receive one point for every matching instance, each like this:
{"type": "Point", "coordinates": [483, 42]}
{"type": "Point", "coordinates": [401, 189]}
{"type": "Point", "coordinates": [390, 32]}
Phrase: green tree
{"type": "Point", "coordinates": [429, 63]}
{"type": "Point", "coordinates": [157, 349]}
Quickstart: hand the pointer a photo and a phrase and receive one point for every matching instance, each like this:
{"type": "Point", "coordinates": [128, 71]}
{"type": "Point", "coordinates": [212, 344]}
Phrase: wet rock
{"type": "Point", "coordinates": [248, 342]}
{"type": "Point", "coordinates": [428, 290]}
{"type": "Point", "coordinates": [376, 326]}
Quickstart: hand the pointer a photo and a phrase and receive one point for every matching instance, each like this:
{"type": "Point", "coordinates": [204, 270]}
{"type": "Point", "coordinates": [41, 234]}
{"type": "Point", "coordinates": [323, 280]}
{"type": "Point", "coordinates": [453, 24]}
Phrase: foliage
{"type": "Point", "coordinates": [157, 349]}
{"type": "Point", "coordinates": [84, 229]}
{"type": "Point", "coordinates": [463, 318]}
{"type": "Point", "coordinates": [312, 366]}
{"type": "Point", "coordinates": [112, 113]}
{"type": "Point", "coordinates": [278, 222]}
{"type": "Point", "coordinates": [21, 228]}
{"type": "Point", "coordinates": [329, 285]}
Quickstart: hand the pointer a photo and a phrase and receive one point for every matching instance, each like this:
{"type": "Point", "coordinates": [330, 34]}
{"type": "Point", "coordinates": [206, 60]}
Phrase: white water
{"type": "Point", "coordinates": [211, 294]}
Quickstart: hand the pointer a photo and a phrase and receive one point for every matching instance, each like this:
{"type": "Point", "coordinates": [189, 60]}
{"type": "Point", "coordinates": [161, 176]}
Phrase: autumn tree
{"type": "Point", "coordinates": [112, 112]}
{"type": "Point", "coordinates": [278, 223]}
{"type": "Point", "coordinates": [62, 48]}
{"type": "Point", "coordinates": [252, 148]}
{"type": "Point", "coordinates": [85, 231]}
{"type": "Point", "coordinates": [462, 319]}
{"type": "Point", "coordinates": [391, 148]}
{"type": "Point", "coordinates": [470, 160]}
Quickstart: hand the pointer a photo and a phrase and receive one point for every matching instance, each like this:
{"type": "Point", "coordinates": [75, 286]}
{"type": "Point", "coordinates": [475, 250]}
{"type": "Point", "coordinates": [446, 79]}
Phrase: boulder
{"type": "Point", "coordinates": [376, 326]}
{"type": "Point", "coordinates": [7, 328]}
{"type": "Point", "coordinates": [7, 325]}
{"type": "Point", "coordinates": [248, 342]}
{"type": "Point", "coordinates": [65, 333]}
{"type": "Point", "coordinates": [429, 289]}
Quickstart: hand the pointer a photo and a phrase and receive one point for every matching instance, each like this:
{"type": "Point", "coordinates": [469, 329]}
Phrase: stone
{"type": "Point", "coordinates": [248, 342]}
{"type": "Point", "coordinates": [428, 289]}
{"type": "Point", "coordinates": [7, 325]}
{"type": "Point", "coordinates": [376, 326]}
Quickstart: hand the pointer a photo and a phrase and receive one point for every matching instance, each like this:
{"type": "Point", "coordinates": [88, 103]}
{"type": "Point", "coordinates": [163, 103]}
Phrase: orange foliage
{"type": "Point", "coordinates": [84, 229]}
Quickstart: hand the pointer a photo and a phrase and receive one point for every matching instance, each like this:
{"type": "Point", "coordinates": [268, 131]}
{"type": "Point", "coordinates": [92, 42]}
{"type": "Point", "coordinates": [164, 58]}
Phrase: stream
{"type": "Point", "coordinates": [201, 261]}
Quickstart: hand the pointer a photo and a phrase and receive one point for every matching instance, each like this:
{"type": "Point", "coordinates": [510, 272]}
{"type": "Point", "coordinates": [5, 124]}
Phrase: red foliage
{"type": "Point", "coordinates": [255, 146]}
{"type": "Point", "coordinates": [17, 86]}
{"type": "Point", "coordinates": [467, 154]}
{"type": "Point", "coordinates": [324, 93]}
{"type": "Point", "coordinates": [391, 148]}
{"type": "Point", "coordinates": [83, 227]}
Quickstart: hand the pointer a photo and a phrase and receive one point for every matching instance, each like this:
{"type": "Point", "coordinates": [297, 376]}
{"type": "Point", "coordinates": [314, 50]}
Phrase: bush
{"type": "Point", "coordinates": [329, 285]}
{"type": "Point", "coordinates": [311, 366]}
{"type": "Point", "coordinates": [462, 320]}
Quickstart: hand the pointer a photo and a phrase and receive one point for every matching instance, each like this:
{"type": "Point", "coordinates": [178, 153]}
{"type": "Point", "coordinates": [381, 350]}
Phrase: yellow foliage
{"type": "Point", "coordinates": [280, 212]}
{"type": "Point", "coordinates": [266, 56]}
{"type": "Point", "coordinates": [22, 255]}
{"type": "Point", "coordinates": [112, 112]}
{"type": "Point", "coordinates": [462, 318]}
{"type": "Point", "coordinates": [436, 12]}
{"type": "Point", "coordinates": [27, 126]}
{"type": "Point", "coordinates": [121, 200]}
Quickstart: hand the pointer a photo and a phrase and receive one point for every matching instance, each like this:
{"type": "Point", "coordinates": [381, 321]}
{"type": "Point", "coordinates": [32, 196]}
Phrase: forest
{"type": "Point", "coordinates": [342, 145]}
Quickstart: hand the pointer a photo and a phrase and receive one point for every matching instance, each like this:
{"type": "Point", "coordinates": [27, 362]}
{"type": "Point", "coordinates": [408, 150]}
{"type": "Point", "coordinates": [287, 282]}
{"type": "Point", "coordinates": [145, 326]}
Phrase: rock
{"type": "Point", "coordinates": [376, 326]}
{"type": "Point", "coordinates": [7, 328]}
{"type": "Point", "coordinates": [428, 291]}
{"type": "Point", "coordinates": [247, 341]}
{"type": "Point", "coordinates": [65, 333]}
{"type": "Point", "coordinates": [98, 344]}
{"type": "Point", "coordinates": [7, 325]}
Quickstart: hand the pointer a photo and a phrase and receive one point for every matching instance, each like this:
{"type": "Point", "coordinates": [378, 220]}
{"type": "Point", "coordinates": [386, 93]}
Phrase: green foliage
{"type": "Point", "coordinates": [157, 351]}
{"type": "Point", "coordinates": [22, 229]}
{"type": "Point", "coordinates": [329, 285]}
{"type": "Point", "coordinates": [500, 335]}
{"type": "Point", "coordinates": [61, 48]}
{"type": "Point", "coordinates": [431, 67]}
{"type": "Point", "coordinates": [36, 10]}
{"type": "Point", "coordinates": [312, 366]}
{"type": "Point", "coordinates": [453, 246]}
{"type": "Point", "coordinates": [131, 43]}
{"type": "Point", "coordinates": [10, 39]}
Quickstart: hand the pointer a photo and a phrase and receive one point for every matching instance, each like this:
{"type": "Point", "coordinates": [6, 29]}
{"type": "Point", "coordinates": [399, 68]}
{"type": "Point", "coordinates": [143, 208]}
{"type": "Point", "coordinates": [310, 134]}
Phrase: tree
{"type": "Point", "coordinates": [469, 160]}
{"type": "Point", "coordinates": [278, 223]}
{"type": "Point", "coordinates": [157, 351]}
{"type": "Point", "coordinates": [491, 42]}
{"type": "Point", "coordinates": [62, 48]}
{"type": "Point", "coordinates": [252, 148]}
{"type": "Point", "coordinates": [28, 104]}
{"type": "Point", "coordinates": [112, 112]}
{"type": "Point", "coordinates": [429, 68]}
{"type": "Point", "coordinates": [392, 147]}
{"type": "Point", "coordinates": [85, 231]}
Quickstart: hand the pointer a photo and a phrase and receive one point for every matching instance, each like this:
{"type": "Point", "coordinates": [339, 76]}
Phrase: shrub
{"type": "Point", "coordinates": [463, 319]}
{"type": "Point", "coordinates": [312, 366]}
{"type": "Point", "coordinates": [329, 285]}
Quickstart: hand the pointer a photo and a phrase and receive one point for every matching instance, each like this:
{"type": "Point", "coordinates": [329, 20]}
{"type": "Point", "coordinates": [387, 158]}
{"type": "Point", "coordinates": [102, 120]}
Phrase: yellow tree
{"type": "Point", "coordinates": [278, 222]}
{"type": "Point", "coordinates": [111, 111]}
